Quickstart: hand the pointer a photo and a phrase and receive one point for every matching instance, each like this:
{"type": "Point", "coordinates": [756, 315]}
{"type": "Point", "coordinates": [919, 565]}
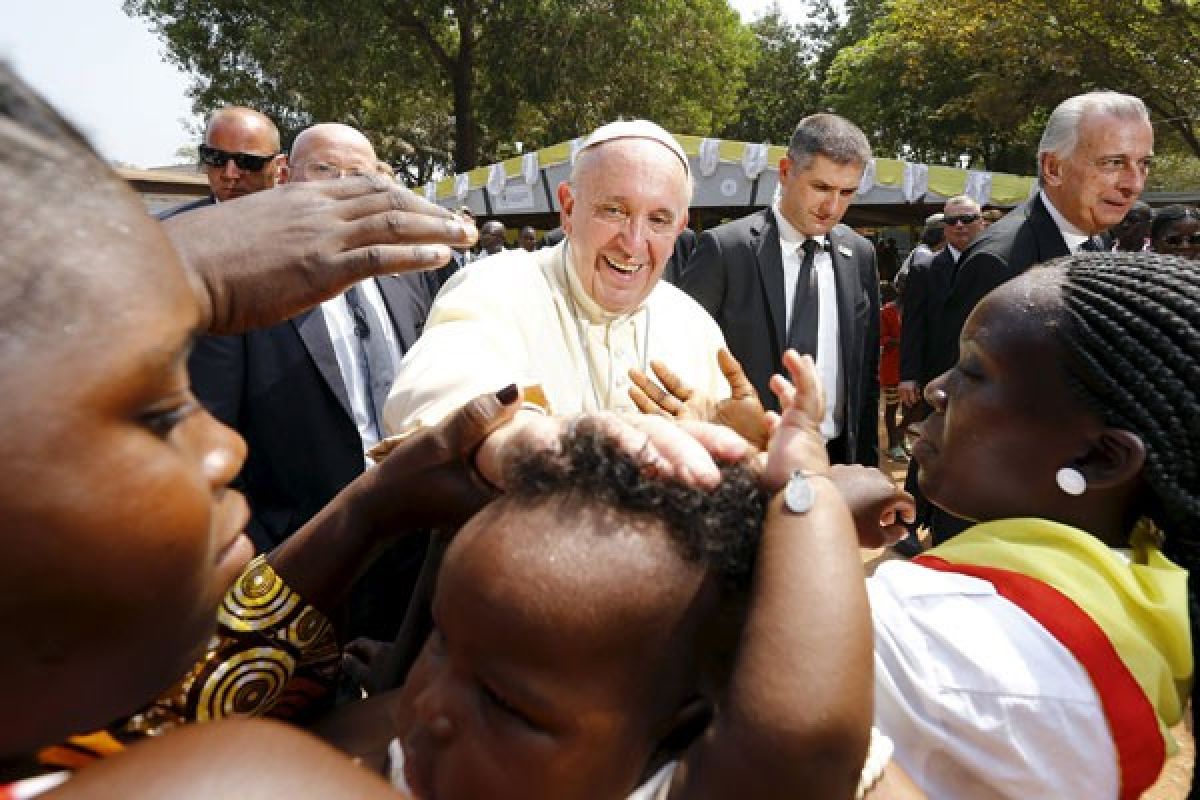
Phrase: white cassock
{"type": "Point", "coordinates": [524, 318]}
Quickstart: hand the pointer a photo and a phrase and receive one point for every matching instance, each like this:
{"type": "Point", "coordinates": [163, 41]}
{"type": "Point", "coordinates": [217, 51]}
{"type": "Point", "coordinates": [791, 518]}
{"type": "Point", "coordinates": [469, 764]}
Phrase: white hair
{"type": "Point", "coordinates": [1061, 135]}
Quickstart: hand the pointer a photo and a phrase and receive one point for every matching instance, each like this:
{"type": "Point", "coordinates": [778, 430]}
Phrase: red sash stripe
{"type": "Point", "coordinates": [1132, 721]}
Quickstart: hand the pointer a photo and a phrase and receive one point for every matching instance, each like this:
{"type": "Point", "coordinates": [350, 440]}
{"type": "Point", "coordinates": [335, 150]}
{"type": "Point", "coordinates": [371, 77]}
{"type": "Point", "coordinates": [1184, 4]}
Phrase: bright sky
{"type": "Point", "coordinates": [105, 72]}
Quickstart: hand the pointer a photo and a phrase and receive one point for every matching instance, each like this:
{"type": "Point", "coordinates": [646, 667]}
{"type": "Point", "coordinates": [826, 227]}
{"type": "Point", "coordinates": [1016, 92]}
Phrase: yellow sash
{"type": "Point", "coordinates": [1141, 605]}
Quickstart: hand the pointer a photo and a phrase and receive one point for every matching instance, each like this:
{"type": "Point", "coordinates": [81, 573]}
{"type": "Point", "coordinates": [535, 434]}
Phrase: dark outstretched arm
{"type": "Point", "coordinates": [263, 258]}
{"type": "Point", "coordinates": [797, 715]}
{"type": "Point", "coordinates": [424, 482]}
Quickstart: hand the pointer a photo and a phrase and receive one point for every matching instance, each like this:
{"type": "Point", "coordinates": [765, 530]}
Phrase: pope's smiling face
{"type": "Point", "coordinates": [622, 212]}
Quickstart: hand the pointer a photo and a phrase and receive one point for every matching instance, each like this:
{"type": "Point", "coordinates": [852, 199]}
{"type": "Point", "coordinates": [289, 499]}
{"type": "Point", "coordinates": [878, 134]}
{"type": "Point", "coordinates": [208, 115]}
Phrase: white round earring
{"type": "Point", "coordinates": [1071, 481]}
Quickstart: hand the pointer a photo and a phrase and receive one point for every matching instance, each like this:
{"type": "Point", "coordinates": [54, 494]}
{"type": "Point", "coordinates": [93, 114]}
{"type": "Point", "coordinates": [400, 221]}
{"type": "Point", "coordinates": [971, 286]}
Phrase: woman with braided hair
{"type": "Point", "coordinates": [1046, 651]}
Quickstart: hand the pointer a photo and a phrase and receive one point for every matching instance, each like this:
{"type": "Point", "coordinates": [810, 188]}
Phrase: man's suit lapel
{"type": "Point", "coordinates": [399, 302]}
{"type": "Point", "coordinates": [845, 278]}
{"type": "Point", "coordinates": [770, 270]}
{"type": "Point", "coordinates": [315, 335]}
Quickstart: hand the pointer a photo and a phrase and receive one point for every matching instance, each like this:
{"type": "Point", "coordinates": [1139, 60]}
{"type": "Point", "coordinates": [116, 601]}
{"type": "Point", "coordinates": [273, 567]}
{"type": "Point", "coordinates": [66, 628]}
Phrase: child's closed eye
{"type": "Point", "coordinates": [498, 704]}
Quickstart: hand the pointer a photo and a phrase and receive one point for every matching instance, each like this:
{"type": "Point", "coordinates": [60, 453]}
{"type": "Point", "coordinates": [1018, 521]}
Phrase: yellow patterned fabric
{"type": "Point", "coordinates": [272, 655]}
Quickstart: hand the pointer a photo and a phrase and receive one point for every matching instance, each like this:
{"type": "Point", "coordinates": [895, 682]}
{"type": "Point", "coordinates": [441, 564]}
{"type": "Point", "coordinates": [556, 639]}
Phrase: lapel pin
{"type": "Point", "coordinates": [846, 251]}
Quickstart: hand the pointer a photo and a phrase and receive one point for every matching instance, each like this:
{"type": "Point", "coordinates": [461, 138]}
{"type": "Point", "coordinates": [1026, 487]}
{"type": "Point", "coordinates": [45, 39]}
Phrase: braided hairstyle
{"type": "Point", "coordinates": [1132, 337]}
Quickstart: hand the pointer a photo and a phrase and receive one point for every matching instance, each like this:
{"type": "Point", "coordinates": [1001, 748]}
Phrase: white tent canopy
{"type": "Point", "coordinates": [727, 173]}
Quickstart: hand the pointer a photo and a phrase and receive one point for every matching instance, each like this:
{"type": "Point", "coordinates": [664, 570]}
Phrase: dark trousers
{"type": "Point", "coordinates": [836, 450]}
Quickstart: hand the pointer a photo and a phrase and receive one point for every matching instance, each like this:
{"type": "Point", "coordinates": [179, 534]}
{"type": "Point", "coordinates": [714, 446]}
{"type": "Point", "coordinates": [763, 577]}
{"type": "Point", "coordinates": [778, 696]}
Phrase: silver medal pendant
{"type": "Point", "coordinates": [798, 495]}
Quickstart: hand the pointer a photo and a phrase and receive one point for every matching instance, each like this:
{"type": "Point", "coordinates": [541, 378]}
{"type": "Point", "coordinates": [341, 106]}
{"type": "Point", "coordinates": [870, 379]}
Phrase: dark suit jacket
{"type": "Point", "coordinates": [685, 245]}
{"type": "Point", "coordinates": [924, 297]}
{"type": "Point", "coordinates": [1025, 236]}
{"type": "Point", "coordinates": [186, 207]}
{"type": "Point", "coordinates": [281, 388]}
{"type": "Point", "coordinates": [736, 273]}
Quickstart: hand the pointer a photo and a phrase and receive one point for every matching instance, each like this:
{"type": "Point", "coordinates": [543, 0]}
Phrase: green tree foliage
{"type": "Point", "coordinates": [456, 84]}
{"type": "Point", "coordinates": [783, 84]}
{"type": "Point", "coordinates": [977, 78]}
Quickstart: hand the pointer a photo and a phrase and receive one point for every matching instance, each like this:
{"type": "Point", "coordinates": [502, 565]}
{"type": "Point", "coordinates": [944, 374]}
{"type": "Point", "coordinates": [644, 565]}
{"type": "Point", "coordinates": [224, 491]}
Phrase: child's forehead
{"type": "Point", "coordinates": [599, 623]}
{"type": "Point", "coordinates": [586, 567]}
{"type": "Point", "coordinates": [575, 542]}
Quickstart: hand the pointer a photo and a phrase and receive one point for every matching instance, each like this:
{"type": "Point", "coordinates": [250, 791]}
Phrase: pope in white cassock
{"type": "Point", "coordinates": [573, 319]}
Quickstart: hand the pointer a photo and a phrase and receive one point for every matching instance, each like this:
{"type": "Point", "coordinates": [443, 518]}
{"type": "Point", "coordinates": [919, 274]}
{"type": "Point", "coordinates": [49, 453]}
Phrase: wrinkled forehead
{"type": "Point", "coordinates": [346, 151]}
{"type": "Point", "coordinates": [1103, 133]}
{"type": "Point", "coordinates": [648, 164]}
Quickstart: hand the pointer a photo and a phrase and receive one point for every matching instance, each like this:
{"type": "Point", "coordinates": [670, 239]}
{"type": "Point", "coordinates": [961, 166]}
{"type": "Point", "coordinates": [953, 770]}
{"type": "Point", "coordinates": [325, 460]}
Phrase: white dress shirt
{"type": "Point", "coordinates": [980, 700]}
{"type": "Point", "coordinates": [340, 323]}
{"type": "Point", "coordinates": [828, 355]}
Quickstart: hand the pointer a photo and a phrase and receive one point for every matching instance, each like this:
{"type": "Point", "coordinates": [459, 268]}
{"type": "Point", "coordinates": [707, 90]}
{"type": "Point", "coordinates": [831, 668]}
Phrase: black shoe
{"type": "Point", "coordinates": [909, 546]}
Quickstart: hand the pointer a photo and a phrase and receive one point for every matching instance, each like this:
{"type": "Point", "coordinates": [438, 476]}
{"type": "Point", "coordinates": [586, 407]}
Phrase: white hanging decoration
{"type": "Point", "coordinates": [916, 181]}
{"type": "Point", "coordinates": [979, 186]}
{"type": "Point", "coordinates": [867, 182]}
{"type": "Point", "coordinates": [709, 156]}
{"type": "Point", "coordinates": [431, 192]}
{"type": "Point", "coordinates": [462, 184]}
{"type": "Point", "coordinates": [530, 168]}
{"type": "Point", "coordinates": [754, 160]}
{"type": "Point", "coordinates": [496, 179]}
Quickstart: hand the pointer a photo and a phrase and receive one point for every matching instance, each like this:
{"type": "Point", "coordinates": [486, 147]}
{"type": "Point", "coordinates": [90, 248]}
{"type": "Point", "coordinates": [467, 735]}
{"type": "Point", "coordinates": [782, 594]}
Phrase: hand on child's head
{"type": "Point", "coordinates": [426, 478]}
{"type": "Point", "coordinates": [687, 451]}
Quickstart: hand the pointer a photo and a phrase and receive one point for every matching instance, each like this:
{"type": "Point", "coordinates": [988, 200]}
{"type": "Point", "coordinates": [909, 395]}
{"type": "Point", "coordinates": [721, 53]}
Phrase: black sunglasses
{"type": "Point", "coordinates": [1180, 240]}
{"type": "Point", "coordinates": [247, 162]}
{"type": "Point", "coordinates": [964, 219]}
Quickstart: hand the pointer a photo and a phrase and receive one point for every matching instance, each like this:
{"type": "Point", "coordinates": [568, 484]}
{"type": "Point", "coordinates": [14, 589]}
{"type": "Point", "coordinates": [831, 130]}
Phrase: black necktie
{"type": "Point", "coordinates": [1090, 245]}
{"type": "Point", "coordinates": [378, 370]}
{"type": "Point", "coordinates": [806, 303]}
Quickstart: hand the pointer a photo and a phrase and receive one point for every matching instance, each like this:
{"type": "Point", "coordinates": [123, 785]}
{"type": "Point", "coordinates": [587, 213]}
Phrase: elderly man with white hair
{"type": "Point", "coordinates": [1093, 161]}
{"type": "Point", "coordinates": [568, 322]}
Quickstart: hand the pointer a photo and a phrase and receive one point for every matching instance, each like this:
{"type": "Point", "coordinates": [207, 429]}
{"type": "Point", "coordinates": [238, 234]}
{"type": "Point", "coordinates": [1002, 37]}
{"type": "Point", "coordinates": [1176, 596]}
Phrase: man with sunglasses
{"type": "Point", "coordinates": [928, 285]}
{"type": "Point", "coordinates": [925, 292]}
{"type": "Point", "coordinates": [240, 155]}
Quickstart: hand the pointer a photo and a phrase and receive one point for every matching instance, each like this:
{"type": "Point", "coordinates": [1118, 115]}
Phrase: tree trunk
{"type": "Point", "coordinates": [466, 140]}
